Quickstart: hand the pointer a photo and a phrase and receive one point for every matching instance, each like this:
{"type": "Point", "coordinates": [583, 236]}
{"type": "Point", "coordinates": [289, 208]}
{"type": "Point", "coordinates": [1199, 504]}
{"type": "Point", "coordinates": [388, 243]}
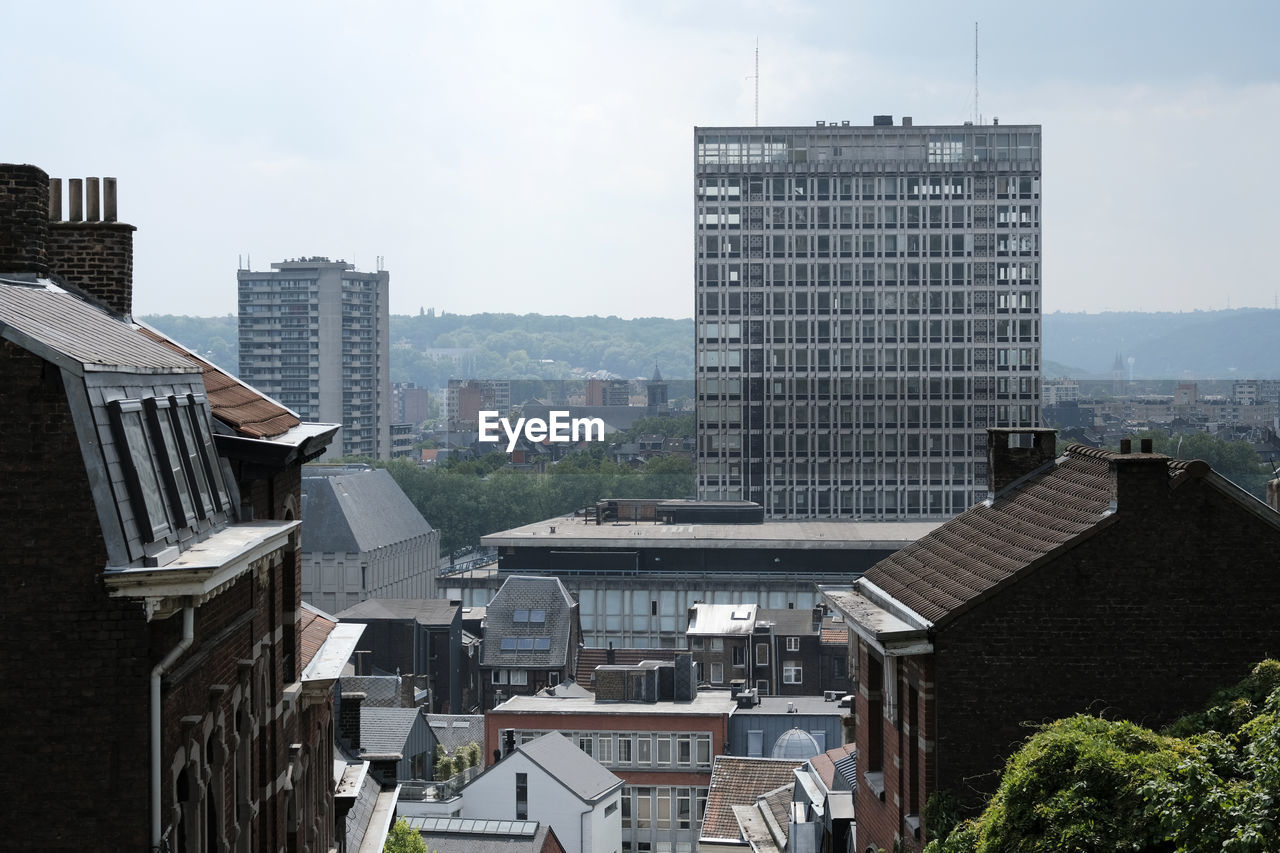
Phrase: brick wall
{"type": "Point", "coordinates": [1143, 621]}
{"type": "Point", "coordinates": [24, 219]}
{"type": "Point", "coordinates": [74, 662]}
{"type": "Point", "coordinates": [96, 257]}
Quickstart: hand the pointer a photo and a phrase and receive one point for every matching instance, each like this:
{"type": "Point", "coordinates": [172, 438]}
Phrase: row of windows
{"type": "Point", "coordinates": [798, 389]}
{"type": "Point", "coordinates": [638, 749]}
{"type": "Point", "coordinates": [788, 501]}
{"type": "Point", "coordinates": [881, 218]}
{"type": "Point", "coordinates": [886, 330]}
{"type": "Point", "coordinates": [938, 299]}
{"type": "Point", "coordinates": [869, 358]}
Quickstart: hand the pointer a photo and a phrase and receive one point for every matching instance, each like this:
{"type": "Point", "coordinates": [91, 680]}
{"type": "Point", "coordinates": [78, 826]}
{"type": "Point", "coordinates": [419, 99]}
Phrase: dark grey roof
{"type": "Point", "coordinates": [60, 326]}
{"type": "Point", "coordinates": [532, 597]}
{"type": "Point", "coordinates": [788, 621]}
{"type": "Point", "coordinates": [455, 730]}
{"type": "Point", "coordinates": [487, 836]}
{"type": "Point", "coordinates": [424, 611]}
{"type": "Point", "coordinates": [386, 730]}
{"type": "Point", "coordinates": [570, 766]}
{"type": "Point", "coordinates": [355, 512]}
{"type": "Point", "coordinates": [380, 691]}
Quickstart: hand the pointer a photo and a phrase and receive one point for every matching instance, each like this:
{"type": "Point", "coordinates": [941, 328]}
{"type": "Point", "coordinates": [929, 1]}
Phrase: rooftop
{"type": "Point", "coordinates": [573, 768]}
{"type": "Point", "coordinates": [737, 781]}
{"type": "Point", "coordinates": [708, 704]}
{"type": "Point", "coordinates": [571, 532]}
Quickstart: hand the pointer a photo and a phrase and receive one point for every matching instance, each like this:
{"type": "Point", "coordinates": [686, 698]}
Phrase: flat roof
{"type": "Point", "coordinates": [571, 532]}
{"type": "Point", "coordinates": [809, 705]}
{"type": "Point", "coordinates": [712, 703]}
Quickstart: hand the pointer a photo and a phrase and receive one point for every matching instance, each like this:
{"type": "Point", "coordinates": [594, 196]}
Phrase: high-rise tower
{"type": "Point", "coordinates": [315, 335]}
{"type": "Point", "coordinates": [868, 303]}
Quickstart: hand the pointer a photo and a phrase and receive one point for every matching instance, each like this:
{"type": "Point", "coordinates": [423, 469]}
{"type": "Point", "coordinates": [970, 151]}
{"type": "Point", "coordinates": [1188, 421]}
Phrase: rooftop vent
{"type": "Point", "coordinates": [882, 121]}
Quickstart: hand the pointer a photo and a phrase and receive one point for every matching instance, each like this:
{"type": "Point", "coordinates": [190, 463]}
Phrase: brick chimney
{"type": "Point", "coordinates": [1142, 478]}
{"type": "Point", "coordinates": [407, 691]}
{"type": "Point", "coordinates": [24, 219]}
{"type": "Point", "coordinates": [1013, 453]}
{"type": "Point", "coordinates": [349, 718]}
{"type": "Point", "coordinates": [90, 249]}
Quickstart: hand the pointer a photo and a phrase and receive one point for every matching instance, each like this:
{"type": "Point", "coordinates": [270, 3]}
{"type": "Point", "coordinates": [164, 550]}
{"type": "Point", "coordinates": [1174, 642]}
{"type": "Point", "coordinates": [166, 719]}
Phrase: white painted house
{"type": "Point", "coordinates": [551, 781]}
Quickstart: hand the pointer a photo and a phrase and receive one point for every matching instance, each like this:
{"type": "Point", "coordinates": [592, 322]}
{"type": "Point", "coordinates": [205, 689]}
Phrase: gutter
{"type": "Point", "coordinates": [157, 672]}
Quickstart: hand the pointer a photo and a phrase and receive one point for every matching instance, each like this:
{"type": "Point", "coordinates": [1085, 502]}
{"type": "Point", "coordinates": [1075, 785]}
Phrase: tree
{"type": "Point", "coordinates": [404, 839]}
{"type": "Point", "coordinates": [1209, 782]}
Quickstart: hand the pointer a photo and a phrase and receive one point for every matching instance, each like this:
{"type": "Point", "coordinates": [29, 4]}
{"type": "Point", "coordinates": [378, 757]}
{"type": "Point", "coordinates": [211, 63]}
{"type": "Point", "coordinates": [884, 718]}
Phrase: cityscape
{"type": "Point", "coordinates": [911, 485]}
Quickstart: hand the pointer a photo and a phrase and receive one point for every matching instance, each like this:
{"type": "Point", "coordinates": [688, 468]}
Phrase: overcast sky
{"type": "Point", "coordinates": [537, 156]}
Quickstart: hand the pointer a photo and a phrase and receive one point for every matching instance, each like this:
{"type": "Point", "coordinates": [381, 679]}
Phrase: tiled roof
{"type": "Point", "coordinates": [570, 766]}
{"type": "Point", "coordinates": [245, 410]}
{"type": "Point", "coordinates": [356, 512]}
{"type": "Point", "coordinates": [455, 730]}
{"type": "Point", "coordinates": [380, 691]}
{"type": "Point", "coordinates": [835, 636]}
{"type": "Point", "coordinates": [316, 626]}
{"type": "Point", "coordinates": [589, 659]}
{"type": "Point", "coordinates": [737, 781]}
{"type": "Point", "coordinates": [386, 730]}
{"type": "Point", "coordinates": [986, 545]}
{"type": "Point", "coordinates": [528, 595]}
{"type": "Point", "coordinates": [825, 764]}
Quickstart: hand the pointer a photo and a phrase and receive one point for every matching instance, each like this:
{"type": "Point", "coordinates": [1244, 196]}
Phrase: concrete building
{"type": "Point", "coordinates": [315, 335]}
{"type": "Point", "coordinates": [635, 580]}
{"type": "Point", "coordinates": [1089, 580]}
{"type": "Point", "coordinates": [868, 302]}
{"type": "Point", "coordinates": [363, 538]}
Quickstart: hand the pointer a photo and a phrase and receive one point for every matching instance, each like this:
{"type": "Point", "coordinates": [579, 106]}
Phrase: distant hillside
{"type": "Point", "coordinates": [1199, 345]}
{"type": "Point", "coordinates": [430, 349]}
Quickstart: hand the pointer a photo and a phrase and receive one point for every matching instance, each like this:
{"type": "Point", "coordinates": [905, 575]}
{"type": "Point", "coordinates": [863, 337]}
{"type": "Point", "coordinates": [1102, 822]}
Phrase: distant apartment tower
{"type": "Point", "coordinates": [315, 334]}
{"type": "Point", "coordinates": [608, 392]}
{"type": "Point", "coordinates": [466, 398]}
{"type": "Point", "coordinates": [868, 303]}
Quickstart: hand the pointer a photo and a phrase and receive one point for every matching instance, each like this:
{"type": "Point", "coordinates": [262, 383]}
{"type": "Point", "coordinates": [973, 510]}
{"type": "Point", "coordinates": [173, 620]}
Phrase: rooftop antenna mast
{"type": "Point", "coordinates": [977, 116]}
{"type": "Point", "coordinates": [756, 77]}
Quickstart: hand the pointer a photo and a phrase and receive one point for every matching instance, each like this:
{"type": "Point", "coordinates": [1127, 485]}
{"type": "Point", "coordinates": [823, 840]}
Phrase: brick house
{"type": "Point", "coordinates": [1092, 580]}
{"type": "Point", "coordinates": [720, 638]}
{"type": "Point", "coordinates": [152, 564]}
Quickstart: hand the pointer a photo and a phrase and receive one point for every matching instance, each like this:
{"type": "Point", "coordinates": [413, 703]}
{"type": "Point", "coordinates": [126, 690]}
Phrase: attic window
{"type": "Point", "coordinates": [529, 616]}
{"type": "Point", "coordinates": [742, 613]}
{"type": "Point", "coordinates": [508, 644]}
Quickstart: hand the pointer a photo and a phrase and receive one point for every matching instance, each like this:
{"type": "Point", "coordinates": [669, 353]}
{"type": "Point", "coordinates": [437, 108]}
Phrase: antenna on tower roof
{"type": "Point", "coordinates": [977, 116]}
{"type": "Point", "coordinates": [756, 77]}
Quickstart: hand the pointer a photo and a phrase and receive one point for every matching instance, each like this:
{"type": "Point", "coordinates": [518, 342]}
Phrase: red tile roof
{"type": "Point", "coordinates": [825, 764]}
{"type": "Point", "coordinates": [315, 629]}
{"type": "Point", "coordinates": [835, 636]}
{"type": "Point", "coordinates": [737, 781]}
{"type": "Point", "coordinates": [589, 659]}
{"type": "Point", "coordinates": [231, 401]}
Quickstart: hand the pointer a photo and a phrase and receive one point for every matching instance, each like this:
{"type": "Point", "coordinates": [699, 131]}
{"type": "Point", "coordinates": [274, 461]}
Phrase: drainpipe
{"type": "Point", "coordinates": [188, 635]}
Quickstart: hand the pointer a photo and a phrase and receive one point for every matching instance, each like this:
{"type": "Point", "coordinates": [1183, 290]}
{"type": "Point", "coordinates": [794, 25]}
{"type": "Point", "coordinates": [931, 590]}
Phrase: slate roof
{"type": "Point", "coordinates": [788, 620]}
{"type": "Point", "coordinates": [51, 322]}
{"type": "Point", "coordinates": [386, 730]}
{"type": "Point", "coordinates": [424, 611]}
{"type": "Point", "coordinates": [380, 691]}
{"type": "Point", "coordinates": [455, 730]}
{"type": "Point", "coordinates": [570, 766]}
{"type": "Point", "coordinates": [316, 626]}
{"type": "Point", "coordinates": [940, 574]}
{"type": "Point", "coordinates": [589, 659]}
{"type": "Point", "coordinates": [487, 836]}
{"type": "Point", "coordinates": [529, 593]}
{"type": "Point", "coordinates": [737, 781]}
{"type": "Point", "coordinates": [356, 512]}
{"type": "Point", "coordinates": [231, 401]}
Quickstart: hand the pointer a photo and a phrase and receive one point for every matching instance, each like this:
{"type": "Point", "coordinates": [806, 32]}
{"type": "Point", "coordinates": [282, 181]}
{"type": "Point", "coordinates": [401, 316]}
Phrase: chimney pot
{"type": "Point", "coordinates": [75, 199]}
{"type": "Point", "coordinates": [93, 205]}
{"type": "Point", "coordinates": [55, 199]}
{"type": "Point", "coordinates": [108, 200]}
{"type": "Point", "coordinates": [1126, 445]}
{"type": "Point", "coordinates": [1146, 445]}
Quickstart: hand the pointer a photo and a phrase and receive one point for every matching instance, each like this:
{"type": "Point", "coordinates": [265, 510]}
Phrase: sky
{"type": "Point", "coordinates": [531, 157]}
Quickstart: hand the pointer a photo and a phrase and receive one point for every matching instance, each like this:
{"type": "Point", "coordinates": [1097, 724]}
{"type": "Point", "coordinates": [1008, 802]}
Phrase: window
{"type": "Point", "coordinates": [584, 743]}
{"type": "Point", "coordinates": [508, 644]}
{"type": "Point", "coordinates": [684, 750]}
{"type": "Point", "coordinates": [604, 749]}
{"type": "Point", "coordinates": [704, 751]}
{"type": "Point", "coordinates": [739, 656]}
{"type": "Point", "coordinates": [624, 749]}
{"type": "Point", "coordinates": [644, 749]}
{"type": "Point", "coordinates": [717, 673]}
{"type": "Point", "coordinates": [662, 745]}
{"type": "Point", "coordinates": [762, 654]}
{"type": "Point", "coordinates": [644, 808]}
{"type": "Point", "coordinates": [522, 796]}
{"type": "Point", "coordinates": [793, 644]}
{"type": "Point", "coordinates": [519, 677]}
{"type": "Point", "coordinates": [791, 673]}
{"type": "Point", "coordinates": [499, 676]}
{"type": "Point", "coordinates": [611, 808]}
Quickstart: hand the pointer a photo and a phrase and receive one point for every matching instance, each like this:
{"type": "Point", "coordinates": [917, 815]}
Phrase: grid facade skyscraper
{"type": "Point", "coordinates": [868, 303]}
{"type": "Point", "coordinates": [315, 335]}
